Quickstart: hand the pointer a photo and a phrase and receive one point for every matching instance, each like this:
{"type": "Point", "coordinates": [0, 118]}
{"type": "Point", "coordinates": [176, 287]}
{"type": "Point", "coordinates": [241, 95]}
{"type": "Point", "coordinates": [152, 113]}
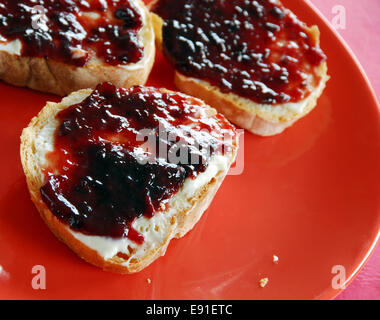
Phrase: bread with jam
{"type": "Point", "coordinates": [63, 46]}
{"type": "Point", "coordinates": [116, 174]}
{"type": "Point", "coordinates": [254, 61]}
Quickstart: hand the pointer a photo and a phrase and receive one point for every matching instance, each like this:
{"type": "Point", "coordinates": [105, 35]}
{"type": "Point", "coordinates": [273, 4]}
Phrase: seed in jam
{"type": "Point", "coordinates": [256, 49]}
{"type": "Point", "coordinates": [95, 180]}
{"type": "Point", "coordinates": [72, 31]}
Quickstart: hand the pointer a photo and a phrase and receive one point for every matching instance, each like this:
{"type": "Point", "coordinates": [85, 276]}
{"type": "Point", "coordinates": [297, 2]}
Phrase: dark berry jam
{"type": "Point", "coordinates": [256, 49]}
{"type": "Point", "coordinates": [97, 181]}
{"type": "Point", "coordinates": [72, 31]}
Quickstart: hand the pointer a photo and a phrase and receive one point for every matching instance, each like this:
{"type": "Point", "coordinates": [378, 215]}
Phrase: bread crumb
{"type": "Point", "coordinates": [149, 281]}
{"type": "Point", "coordinates": [275, 259]}
{"type": "Point", "coordinates": [263, 282]}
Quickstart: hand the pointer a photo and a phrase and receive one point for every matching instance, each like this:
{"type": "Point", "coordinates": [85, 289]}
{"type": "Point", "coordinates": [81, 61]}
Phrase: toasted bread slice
{"type": "Point", "coordinates": [259, 118]}
{"type": "Point", "coordinates": [47, 74]}
{"type": "Point", "coordinates": [177, 216]}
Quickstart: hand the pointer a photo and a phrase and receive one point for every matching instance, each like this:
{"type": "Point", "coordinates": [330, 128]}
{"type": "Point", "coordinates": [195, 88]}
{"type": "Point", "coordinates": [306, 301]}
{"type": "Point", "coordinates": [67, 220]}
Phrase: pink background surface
{"type": "Point", "coordinates": [361, 34]}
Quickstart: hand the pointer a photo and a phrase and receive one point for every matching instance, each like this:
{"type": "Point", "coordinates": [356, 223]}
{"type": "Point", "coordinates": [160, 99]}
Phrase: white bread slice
{"type": "Point", "coordinates": [260, 119]}
{"type": "Point", "coordinates": [51, 76]}
{"type": "Point", "coordinates": [119, 255]}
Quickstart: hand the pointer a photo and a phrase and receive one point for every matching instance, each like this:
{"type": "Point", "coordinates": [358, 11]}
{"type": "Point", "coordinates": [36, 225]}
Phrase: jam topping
{"type": "Point", "coordinates": [71, 31]}
{"type": "Point", "coordinates": [256, 49]}
{"type": "Point", "coordinates": [121, 154]}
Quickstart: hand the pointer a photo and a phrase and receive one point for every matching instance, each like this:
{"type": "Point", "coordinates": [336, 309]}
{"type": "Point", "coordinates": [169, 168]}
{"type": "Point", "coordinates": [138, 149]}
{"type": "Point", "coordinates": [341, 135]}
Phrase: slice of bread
{"type": "Point", "coordinates": [48, 75]}
{"type": "Point", "coordinates": [258, 118]}
{"type": "Point", "coordinates": [120, 255]}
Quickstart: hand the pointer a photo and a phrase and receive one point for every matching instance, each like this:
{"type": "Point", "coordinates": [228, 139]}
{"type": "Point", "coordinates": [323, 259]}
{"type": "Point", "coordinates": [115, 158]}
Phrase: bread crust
{"type": "Point", "coordinates": [51, 76]}
{"type": "Point", "coordinates": [247, 114]}
{"type": "Point", "coordinates": [257, 118]}
{"type": "Point", "coordinates": [185, 220]}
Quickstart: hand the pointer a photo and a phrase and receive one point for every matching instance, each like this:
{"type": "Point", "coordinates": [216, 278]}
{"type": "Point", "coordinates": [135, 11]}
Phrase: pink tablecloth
{"type": "Point", "coordinates": [362, 35]}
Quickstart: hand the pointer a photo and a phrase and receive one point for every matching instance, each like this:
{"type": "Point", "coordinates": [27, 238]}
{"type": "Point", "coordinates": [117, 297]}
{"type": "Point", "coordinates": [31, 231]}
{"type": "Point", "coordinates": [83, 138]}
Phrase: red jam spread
{"type": "Point", "coordinates": [71, 31]}
{"type": "Point", "coordinates": [256, 49]}
{"type": "Point", "coordinates": [96, 182]}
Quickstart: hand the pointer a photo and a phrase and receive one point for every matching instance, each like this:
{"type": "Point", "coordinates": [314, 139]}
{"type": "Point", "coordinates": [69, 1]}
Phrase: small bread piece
{"type": "Point", "coordinates": [265, 119]}
{"type": "Point", "coordinates": [47, 74]}
{"type": "Point", "coordinates": [177, 215]}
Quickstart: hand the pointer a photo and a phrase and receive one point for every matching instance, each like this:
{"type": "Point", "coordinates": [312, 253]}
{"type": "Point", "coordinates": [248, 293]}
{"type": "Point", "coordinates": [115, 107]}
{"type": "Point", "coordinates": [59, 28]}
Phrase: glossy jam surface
{"type": "Point", "coordinates": [97, 181]}
{"type": "Point", "coordinates": [71, 31]}
{"type": "Point", "coordinates": [256, 49]}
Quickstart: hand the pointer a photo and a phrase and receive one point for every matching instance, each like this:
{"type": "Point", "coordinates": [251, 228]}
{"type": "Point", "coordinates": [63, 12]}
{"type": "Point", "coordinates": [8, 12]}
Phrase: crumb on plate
{"type": "Point", "coordinates": [263, 282]}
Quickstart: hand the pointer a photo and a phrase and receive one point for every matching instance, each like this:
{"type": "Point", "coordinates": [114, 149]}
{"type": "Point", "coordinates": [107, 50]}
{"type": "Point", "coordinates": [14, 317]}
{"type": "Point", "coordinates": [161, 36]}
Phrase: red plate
{"type": "Point", "coordinates": [309, 196]}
